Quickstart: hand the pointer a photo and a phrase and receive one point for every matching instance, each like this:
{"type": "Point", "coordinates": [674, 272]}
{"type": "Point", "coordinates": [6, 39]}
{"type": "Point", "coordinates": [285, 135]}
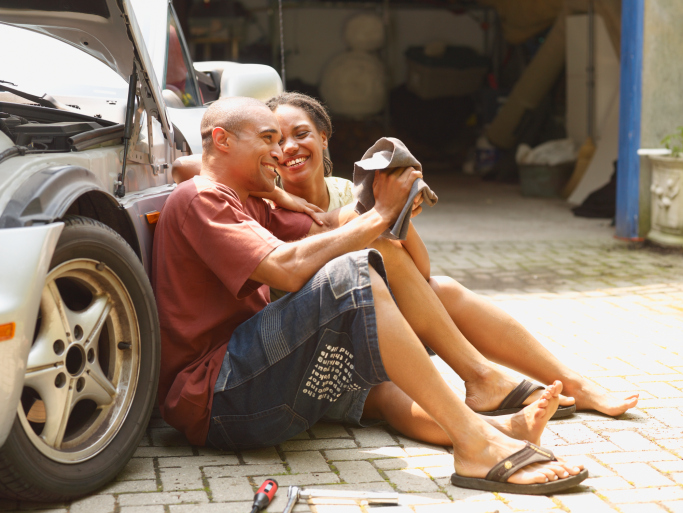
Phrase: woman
{"type": "Point", "coordinates": [306, 172]}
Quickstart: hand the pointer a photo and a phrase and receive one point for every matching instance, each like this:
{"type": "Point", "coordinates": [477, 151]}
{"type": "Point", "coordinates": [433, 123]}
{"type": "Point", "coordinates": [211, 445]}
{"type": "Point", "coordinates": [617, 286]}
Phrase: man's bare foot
{"type": "Point", "coordinates": [485, 446]}
{"type": "Point", "coordinates": [529, 423]}
{"type": "Point", "coordinates": [590, 396]}
{"type": "Point", "coordinates": [487, 393]}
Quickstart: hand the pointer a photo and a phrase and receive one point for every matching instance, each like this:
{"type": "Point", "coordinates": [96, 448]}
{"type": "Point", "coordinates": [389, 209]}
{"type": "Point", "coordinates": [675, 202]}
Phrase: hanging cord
{"type": "Point", "coordinates": [282, 46]}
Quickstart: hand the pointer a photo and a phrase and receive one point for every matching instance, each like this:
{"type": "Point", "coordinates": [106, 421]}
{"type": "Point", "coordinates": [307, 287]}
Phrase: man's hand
{"type": "Point", "coordinates": [391, 189]}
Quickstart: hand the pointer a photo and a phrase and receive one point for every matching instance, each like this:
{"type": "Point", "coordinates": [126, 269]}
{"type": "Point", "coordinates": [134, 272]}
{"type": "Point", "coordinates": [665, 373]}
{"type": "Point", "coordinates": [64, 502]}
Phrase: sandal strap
{"type": "Point", "coordinates": [502, 470]}
{"type": "Point", "coordinates": [516, 398]}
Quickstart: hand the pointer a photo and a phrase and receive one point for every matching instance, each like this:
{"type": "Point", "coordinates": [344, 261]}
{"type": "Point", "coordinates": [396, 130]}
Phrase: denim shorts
{"type": "Point", "coordinates": [312, 355]}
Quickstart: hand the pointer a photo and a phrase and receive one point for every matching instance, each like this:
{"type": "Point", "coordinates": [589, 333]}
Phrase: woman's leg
{"type": "Point", "coordinates": [430, 321]}
{"type": "Point", "coordinates": [502, 339]}
{"type": "Point", "coordinates": [465, 329]}
{"type": "Point", "coordinates": [388, 402]}
{"type": "Point", "coordinates": [477, 446]}
{"type": "Point", "coordinates": [486, 384]}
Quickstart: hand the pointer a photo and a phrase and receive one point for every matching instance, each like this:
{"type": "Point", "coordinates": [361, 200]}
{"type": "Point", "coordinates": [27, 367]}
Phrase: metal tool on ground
{"type": "Point", "coordinates": [295, 493]}
{"type": "Point", "coordinates": [264, 495]}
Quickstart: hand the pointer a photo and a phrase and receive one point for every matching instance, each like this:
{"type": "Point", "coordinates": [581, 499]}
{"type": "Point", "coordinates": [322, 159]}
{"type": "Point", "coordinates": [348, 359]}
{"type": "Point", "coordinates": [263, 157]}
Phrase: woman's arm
{"type": "Point", "coordinates": [190, 165]}
{"type": "Point", "coordinates": [285, 200]}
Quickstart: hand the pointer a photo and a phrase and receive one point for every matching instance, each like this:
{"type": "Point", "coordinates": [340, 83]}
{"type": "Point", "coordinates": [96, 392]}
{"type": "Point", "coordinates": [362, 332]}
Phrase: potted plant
{"type": "Point", "coordinates": [667, 197]}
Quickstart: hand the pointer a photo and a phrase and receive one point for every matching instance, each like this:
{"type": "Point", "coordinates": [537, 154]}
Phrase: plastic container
{"type": "Point", "coordinates": [544, 181]}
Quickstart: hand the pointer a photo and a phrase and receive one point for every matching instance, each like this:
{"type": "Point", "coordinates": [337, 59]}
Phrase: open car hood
{"type": "Point", "coordinates": [104, 29]}
{"type": "Point", "coordinates": [98, 27]}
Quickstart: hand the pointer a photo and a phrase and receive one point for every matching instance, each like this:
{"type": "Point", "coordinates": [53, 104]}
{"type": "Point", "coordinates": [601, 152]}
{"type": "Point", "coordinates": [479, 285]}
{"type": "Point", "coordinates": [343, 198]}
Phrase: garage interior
{"type": "Point", "coordinates": [473, 88]}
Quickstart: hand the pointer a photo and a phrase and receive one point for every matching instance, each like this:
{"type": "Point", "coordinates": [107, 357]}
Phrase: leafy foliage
{"type": "Point", "coordinates": [674, 142]}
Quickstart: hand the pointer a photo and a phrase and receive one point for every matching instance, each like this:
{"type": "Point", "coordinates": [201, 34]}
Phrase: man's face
{"type": "Point", "coordinates": [256, 151]}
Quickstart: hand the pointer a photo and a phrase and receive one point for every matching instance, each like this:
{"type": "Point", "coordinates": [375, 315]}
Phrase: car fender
{"type": "Point", "coordinates": [47, 195]}
{"type": "Point", "coordinates": [24, 262]}
{"type": "Point", "coordinates": [143, 209]}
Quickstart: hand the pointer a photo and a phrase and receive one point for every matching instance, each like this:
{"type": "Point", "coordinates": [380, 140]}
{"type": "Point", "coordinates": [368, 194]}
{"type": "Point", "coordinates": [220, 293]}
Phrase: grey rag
{"type": "Point", "coordinates": [386, 154]}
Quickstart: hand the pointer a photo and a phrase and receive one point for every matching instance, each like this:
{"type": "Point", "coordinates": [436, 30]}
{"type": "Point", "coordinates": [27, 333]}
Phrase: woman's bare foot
{"type": "Point", "coordinates": [487, 393]}
{"type": "Point", "coordinates": [529, 423]}
{"type": "Point", "coordinates": [486, 446]}
{"type": "Point", "coordinates": [590, 396]}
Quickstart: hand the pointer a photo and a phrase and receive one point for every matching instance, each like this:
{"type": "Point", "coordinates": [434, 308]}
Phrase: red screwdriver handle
{"type": "Point", "coordinates": [264, 495]}
{"type": "Point", "coordinates": [269, 487]}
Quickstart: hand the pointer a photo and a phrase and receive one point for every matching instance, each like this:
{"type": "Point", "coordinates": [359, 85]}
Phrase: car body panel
{"type": "Point", "coordinates": [137, 205]}
{"type": "Point", "coordinates": [104, 163]}
{"type": "Point", "coordinates": [26, 255]}
{"type": "Point", "coordinates": [89, 79]}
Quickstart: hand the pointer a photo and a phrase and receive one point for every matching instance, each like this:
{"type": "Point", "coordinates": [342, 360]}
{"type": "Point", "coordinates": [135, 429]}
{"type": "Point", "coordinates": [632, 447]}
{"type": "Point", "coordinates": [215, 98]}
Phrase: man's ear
{"type": "Point", "coordinates": [323, 135]}
{"type": "Point", "coordinates": [222, 139]}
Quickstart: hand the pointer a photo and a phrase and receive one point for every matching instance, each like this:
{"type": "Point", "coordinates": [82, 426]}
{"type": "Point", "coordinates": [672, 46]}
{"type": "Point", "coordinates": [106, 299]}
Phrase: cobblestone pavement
{"type": "Point", "coordinates": [613, 312]}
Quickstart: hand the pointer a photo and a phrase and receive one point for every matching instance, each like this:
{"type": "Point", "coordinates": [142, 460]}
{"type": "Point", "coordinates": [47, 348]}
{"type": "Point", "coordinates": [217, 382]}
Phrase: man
{"type": "Point", "coordinates": [240, 373]}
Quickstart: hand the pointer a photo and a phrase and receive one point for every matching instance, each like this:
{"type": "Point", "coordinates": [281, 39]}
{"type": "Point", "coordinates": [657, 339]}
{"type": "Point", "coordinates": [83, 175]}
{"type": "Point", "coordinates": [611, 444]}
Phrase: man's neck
{"type": "Point", "coordinates": [218, 172]}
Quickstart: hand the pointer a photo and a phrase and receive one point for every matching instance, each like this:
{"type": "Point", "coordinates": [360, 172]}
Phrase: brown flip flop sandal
{"type": "Point", "coordinates": [514, 402]}
{"type": "Point", "coordinates": [496, 479]}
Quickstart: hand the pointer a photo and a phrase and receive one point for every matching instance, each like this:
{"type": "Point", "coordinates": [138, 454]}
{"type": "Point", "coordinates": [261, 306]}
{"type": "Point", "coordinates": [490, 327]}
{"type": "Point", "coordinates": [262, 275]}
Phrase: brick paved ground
{"type": "Point", "coordinates": [615, 313]}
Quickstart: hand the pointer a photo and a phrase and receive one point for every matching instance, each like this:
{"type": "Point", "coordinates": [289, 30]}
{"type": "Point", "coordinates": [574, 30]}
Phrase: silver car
{"type": "Point", "coordinates": [94, 107]}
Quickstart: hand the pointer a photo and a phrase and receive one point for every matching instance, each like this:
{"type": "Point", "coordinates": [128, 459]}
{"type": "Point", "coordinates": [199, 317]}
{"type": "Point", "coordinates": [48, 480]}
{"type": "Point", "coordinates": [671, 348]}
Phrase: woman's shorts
{"type": "Point", "coordinates": [287, 366]}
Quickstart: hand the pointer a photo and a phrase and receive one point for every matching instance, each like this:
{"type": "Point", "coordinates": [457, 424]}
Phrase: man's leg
{"type": "Point", "coordinates": [502, 339]}
{"type": "Point", "coordinates": [388, 402]}
{"type": "Point", "coordinates": [477, 446]}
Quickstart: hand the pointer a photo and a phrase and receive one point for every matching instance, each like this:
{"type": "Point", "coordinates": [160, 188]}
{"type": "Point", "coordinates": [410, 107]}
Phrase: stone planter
{"type": "Point", "coordinates": [667, 201]}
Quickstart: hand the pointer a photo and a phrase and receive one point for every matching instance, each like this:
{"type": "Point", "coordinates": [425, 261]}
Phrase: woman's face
{"type": "Point", "coordinates": [302, 146]}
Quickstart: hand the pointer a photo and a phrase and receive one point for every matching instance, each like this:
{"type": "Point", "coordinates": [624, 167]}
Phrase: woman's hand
{"type": "Point", "coordinates": [296, 204]}
{"type": "Point", "coordinates": [417, 206]}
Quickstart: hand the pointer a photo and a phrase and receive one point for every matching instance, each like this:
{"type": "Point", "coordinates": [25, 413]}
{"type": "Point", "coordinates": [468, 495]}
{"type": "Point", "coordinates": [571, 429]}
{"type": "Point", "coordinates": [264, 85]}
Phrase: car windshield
{"type": "Point", "coordinates": [178, 79]}
{"type": "Point", "coordinates": [43, 65]}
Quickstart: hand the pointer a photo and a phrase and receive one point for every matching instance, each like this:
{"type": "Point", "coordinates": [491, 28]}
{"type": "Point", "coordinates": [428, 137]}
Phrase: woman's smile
{"type": "Point", "coordinates": [296, 162]}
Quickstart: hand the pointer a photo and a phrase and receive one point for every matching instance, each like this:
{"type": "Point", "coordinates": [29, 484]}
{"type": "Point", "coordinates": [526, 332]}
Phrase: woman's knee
{"type": "Point", "coordinates": [447, 286]}
{"type": "Point", "coordinates": [394, 254]}
{"type": "Point", "coordinates": [375, 401]}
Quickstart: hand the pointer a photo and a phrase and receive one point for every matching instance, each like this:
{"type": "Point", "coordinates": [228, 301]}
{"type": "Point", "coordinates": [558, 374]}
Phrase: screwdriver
{"type": "Point", "coordinates": [264, 495]}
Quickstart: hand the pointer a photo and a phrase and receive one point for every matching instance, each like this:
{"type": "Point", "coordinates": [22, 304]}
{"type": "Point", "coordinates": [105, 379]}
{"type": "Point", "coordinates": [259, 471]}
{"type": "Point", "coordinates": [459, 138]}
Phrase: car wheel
{"type": "Point", "coordinates": [92, 371]}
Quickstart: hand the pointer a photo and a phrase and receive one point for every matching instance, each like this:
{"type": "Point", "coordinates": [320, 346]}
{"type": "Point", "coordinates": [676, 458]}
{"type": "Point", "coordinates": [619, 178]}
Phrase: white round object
{"type": "Point", "coordinates": [364, 32]}
{"type": "Point", "coordinates": [354, 84]}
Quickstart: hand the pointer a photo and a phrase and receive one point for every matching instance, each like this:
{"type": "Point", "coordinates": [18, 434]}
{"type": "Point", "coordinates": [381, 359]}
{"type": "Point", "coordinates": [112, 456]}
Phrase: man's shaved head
{"type": "Point", "coordinates": [230, 114]}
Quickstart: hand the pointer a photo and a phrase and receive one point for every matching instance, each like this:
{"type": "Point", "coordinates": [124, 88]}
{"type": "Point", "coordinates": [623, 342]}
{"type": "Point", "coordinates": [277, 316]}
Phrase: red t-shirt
{"type": "Point", "coordinates": [206, 245]}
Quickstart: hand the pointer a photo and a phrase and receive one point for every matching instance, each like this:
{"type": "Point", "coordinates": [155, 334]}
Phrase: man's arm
{"type": "Point", "coordinates": [291, 265]}
{"type": "Point", "coordinates": [413, 243]}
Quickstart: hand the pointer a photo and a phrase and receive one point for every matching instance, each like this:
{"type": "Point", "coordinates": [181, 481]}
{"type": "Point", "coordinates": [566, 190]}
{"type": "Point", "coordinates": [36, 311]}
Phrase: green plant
{"type": "Point", "coordinates": [674, 142]}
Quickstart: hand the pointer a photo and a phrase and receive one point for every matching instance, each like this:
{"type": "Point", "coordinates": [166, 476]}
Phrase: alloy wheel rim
{"type": "Point", "coordinates": [82, 369]}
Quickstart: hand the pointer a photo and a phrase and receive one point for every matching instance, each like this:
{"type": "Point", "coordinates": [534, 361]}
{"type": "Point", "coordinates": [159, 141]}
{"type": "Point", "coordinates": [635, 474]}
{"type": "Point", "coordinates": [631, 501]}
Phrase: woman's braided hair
{"type": "Point", "coordinates": [315, 110]}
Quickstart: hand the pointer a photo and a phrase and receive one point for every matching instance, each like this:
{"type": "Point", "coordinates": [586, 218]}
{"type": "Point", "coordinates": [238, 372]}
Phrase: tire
{"type": "Point", "coordinates": [92, 370]}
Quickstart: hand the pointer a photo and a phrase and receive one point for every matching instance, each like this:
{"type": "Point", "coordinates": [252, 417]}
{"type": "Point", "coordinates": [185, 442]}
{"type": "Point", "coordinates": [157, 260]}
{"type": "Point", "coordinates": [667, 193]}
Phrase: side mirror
{"type": "Point", "coordinates": [253, 80]}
